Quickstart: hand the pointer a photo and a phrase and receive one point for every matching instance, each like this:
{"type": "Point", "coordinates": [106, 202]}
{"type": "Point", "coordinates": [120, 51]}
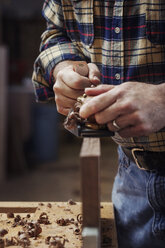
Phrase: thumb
{"type": "Point", "coordinates": [94, 74]}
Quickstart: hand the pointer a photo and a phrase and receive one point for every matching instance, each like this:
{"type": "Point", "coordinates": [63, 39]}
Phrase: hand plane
{"type": "Point", "coordinates": [77, 125]}
{"type": "Point", "coordinates": [84, 127]}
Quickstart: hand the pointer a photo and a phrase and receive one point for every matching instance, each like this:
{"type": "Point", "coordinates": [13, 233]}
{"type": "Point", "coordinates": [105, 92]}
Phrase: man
{"type": "Point", "coordinates": [123, 43]}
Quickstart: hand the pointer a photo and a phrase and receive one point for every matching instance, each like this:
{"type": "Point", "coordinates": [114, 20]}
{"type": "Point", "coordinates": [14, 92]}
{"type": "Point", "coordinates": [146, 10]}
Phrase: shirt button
{"type": "Point", "coordinates": [117, 30]}
{"type": "Point", "coordinates": [117, 76]}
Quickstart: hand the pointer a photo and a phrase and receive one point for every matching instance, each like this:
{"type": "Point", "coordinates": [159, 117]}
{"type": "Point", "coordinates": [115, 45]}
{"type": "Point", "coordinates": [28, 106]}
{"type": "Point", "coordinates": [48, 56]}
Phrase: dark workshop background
{"type": "Point", "coordinates": [39, 160]}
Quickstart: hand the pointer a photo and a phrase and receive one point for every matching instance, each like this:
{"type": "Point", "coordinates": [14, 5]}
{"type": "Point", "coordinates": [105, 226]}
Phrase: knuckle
{"type": "Point", "coordinates": [123, 89]}
{"type": "Point", "coordinates": [101, 86]}
{"type": "Point", "coordinates": [120, 93]}
{"type": "Point", "coordinates": [93, 69]}
{"type": "Point", "coordinates": [138, 117]}
{"type": "Point", "coordinates": [129, 106]}
{"type": "Point", "coordinates": [60, 74]}
{"type": "Point", "coordinates": [56, 88]}
{"type": "Point", "coordinates": [60, 110]}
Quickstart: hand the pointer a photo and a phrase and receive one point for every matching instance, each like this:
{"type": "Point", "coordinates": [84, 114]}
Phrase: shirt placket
{"type": "Point", "coordinates": [117, 45]}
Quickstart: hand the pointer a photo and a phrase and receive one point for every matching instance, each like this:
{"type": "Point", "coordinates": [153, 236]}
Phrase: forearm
{"type": "Point", "coordinates": [55, 48]}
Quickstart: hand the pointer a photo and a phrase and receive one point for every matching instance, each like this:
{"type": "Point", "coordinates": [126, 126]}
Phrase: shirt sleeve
{"type": "Point", "coordinates": [55, 47]}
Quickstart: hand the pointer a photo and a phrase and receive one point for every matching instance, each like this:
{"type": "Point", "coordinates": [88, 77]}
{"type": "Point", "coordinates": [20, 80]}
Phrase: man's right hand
{"type": "Point", "coordinates": [71, 78]}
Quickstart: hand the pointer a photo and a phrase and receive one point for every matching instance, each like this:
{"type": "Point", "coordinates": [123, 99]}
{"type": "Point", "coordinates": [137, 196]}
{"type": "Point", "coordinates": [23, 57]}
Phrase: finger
{"type": "Point", "coordinates": [62, 110]}
{"type": "Point", "coordinates": [96, 104]}
{"type": "Point", "coordinates": [120, 113]}
{"type": "Point", "coordinates": [112, 127]}
{"type": "Point", "coordinates": [137, 130]}
{"type": "Point", "coordinates": [125, 120]}
{"type": "Point", "coordinates": [61, 88]}
{"type": "Point", "coordinates": [94, 74]}
{"type": "Point", "coordinates": [81, 68]}
{"type": "Point", "coordinates": [132, 131]}
{"type": "Point", "coordinates": [102, 88]}
{"type": "Point", "coordinates": [73, 79]}
{"type": "Point", "coordinates": [64, 102]}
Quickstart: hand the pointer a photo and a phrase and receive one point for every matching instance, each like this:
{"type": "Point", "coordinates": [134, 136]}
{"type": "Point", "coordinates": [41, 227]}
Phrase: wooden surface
{"type": "Point", "coordinates": [58, 210]}
{"type": "Point", "coordinates": [90, 191]}
{"type": "Point", "coordinates": [3, 111]}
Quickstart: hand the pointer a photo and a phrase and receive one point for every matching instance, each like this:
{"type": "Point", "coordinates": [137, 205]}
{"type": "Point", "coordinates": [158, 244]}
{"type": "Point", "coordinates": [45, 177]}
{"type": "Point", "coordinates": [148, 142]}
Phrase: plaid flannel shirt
{"type": "Point", "coordinates": [125, 39]}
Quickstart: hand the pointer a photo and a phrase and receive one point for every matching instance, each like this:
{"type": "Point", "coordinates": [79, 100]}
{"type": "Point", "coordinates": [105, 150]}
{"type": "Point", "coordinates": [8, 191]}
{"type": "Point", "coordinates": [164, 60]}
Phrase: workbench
{"type": "Point", "coordinates": [55, 211]}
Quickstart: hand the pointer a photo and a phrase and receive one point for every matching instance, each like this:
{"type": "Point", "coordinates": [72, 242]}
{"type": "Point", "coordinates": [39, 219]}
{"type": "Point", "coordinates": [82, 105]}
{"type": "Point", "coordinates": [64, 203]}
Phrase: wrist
{"type": "Point", "coordinates": [76, 65]}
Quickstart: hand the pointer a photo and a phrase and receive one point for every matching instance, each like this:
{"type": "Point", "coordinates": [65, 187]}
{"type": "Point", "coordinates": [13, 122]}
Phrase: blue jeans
{"type": "Point", "coordinates": [139, 200]}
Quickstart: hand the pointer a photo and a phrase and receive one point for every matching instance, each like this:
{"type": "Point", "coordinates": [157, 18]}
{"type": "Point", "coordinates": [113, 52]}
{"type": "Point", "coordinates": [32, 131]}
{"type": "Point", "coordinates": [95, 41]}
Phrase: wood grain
{"type": "Point", "coordinates": [90, 190]}
{"type": "Point", "coordinates": [58, 210]}
{"type": "Point", "coordinates": [90, 185]}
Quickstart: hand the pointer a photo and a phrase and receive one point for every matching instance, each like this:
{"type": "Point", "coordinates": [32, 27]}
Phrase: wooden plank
{"type": "Point", "coordinates": [108, 226]}
{"type": "Point", "coordinates": [59, 210]}
{"type": "Point", "coordinates": [90, 187]}
{"type": "Point", "coordinates": [89, 156]}
{"type": "Point", "coordinates": [3, 111]}
{"type": "Point", "coordinates": [1, 30]}
{"type": "Point", "coordinates": [18, 207]}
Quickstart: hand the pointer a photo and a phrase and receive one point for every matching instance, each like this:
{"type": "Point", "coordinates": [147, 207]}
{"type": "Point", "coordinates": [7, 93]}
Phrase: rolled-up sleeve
{"type": "Point", "coordinates": [55, 47]}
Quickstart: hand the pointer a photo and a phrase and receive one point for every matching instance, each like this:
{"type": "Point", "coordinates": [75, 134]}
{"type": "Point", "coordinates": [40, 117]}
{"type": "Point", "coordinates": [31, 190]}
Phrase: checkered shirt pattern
{"type": "Point", "coordinates": [125, 39]}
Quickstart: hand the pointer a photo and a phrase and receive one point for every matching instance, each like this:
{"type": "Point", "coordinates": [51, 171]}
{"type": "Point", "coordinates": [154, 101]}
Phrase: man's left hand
{"type": "Point", "coordinates": [137, 108]}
